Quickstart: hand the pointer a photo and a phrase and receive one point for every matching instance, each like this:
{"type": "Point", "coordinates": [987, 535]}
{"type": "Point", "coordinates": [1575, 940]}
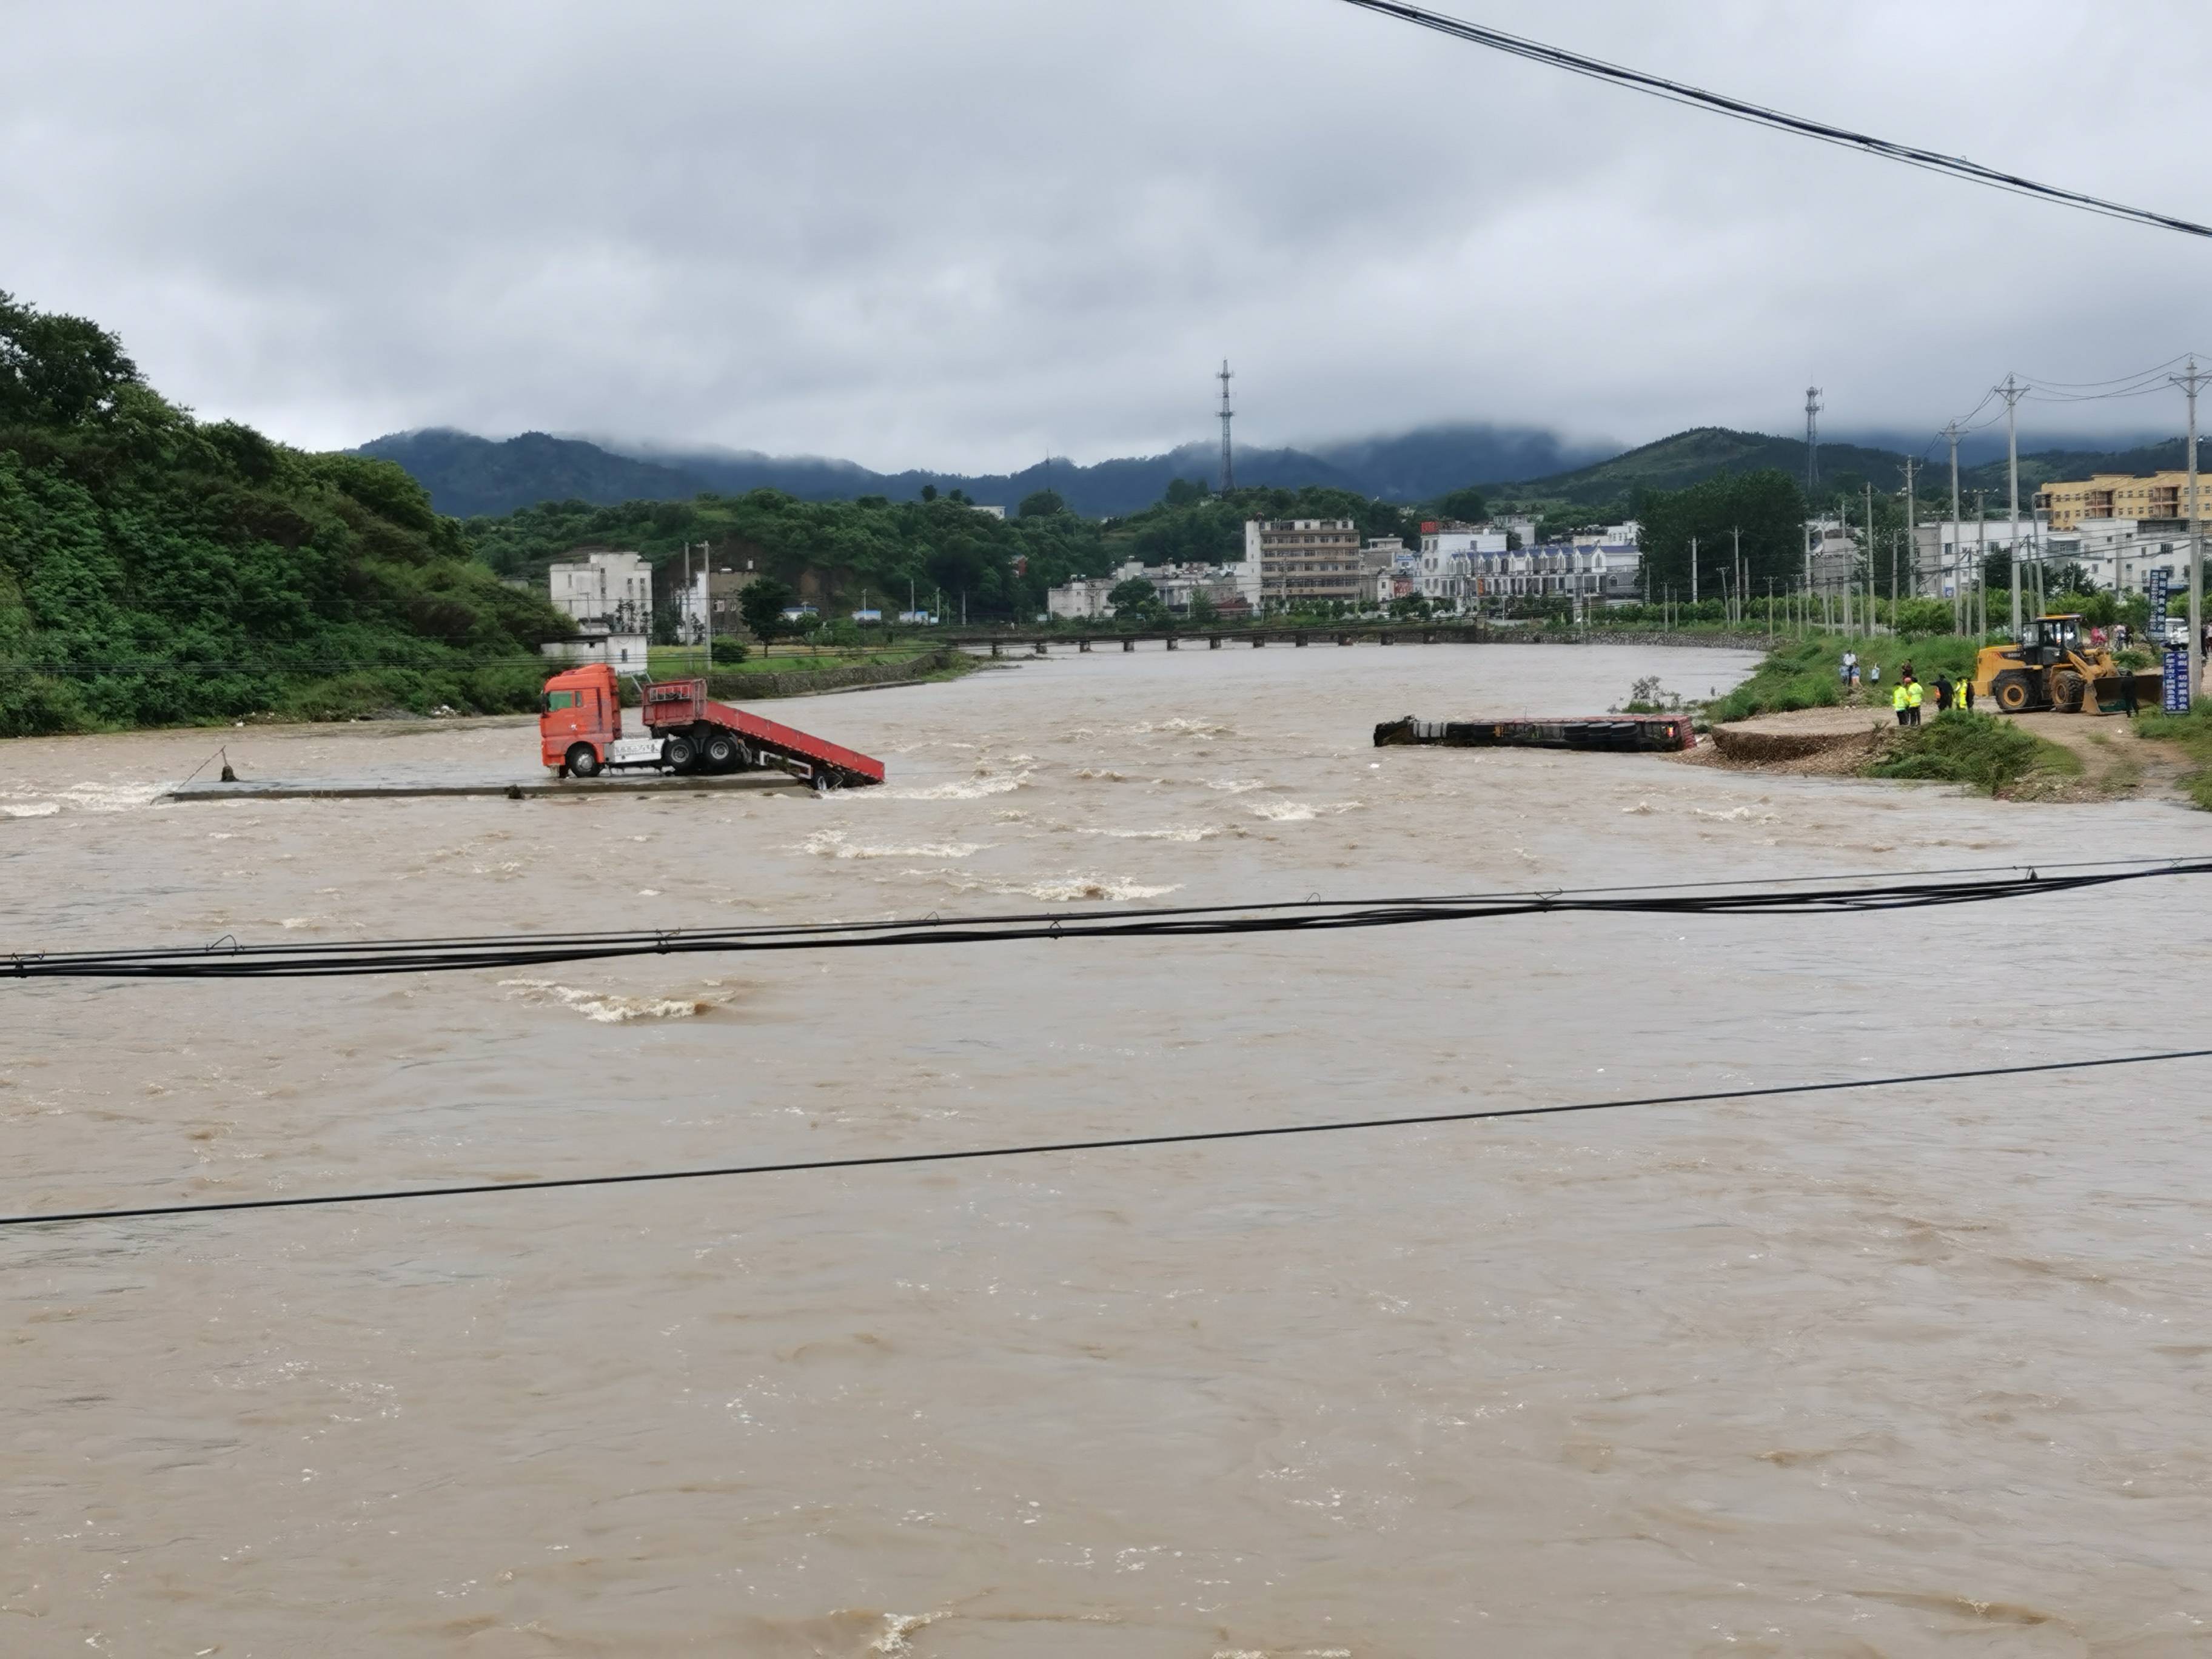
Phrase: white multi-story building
{"type": "Point", "coordinates": [2120, 554]}
{"type": "Point", "coordinates": [1290, 560]}
{"type": "Point", "coordinates": [1083, 600]}
{"type": "Point", "coordinates": [1447, 553]}
{"type": "Point", "coordinates": [1948, 555]}
{"type": "Point", "coordinates": [612, 588]}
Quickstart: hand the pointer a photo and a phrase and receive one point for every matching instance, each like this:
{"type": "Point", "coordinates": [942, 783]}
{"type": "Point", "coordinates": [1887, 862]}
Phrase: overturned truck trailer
{"type": "Point", "coordinates": [1628, 734]}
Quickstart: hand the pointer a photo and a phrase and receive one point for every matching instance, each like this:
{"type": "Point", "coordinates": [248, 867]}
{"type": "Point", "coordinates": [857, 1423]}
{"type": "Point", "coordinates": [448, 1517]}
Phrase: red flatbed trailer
{"type": "Point", "coordinates": [681, 710]}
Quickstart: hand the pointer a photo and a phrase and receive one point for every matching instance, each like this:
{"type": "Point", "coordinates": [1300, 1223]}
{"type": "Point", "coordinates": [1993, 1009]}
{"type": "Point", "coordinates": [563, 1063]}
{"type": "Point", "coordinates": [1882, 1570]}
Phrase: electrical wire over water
{"type": "Point", "coordinates": [1114, 1143]}
{"type": "Point", "coordinates": [228, 958]}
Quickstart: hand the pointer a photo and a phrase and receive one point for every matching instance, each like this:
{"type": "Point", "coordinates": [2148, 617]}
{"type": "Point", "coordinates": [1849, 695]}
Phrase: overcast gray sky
{"type": "Point", "coordinates": [954, 232]}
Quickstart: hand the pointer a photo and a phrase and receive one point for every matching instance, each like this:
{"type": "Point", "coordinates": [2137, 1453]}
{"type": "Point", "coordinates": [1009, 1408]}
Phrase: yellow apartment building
{"type": "Point", "coordinates": [2063, 505]}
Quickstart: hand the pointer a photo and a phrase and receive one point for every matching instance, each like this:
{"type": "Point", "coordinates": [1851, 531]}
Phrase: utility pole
{"type": "Point", "coordinates": [1736, 562]}
{"type": "Point", "coordinates": [1958, 540]}
{"type": "Point", "coordinates": [1693, 573]}
{"type": "Point", "coordinates": [1911, 534]}
{"type": "Point", "coordinates": [1812, 531]}
{"type": "Point", "coordinates": [1843, 520]}
{"type": "Point", "coordinates": [1812, 442]}
{"type": "Point", "coordinates": [2011, 392]}
{"type": "Point", "coordinates": [1870, 556]}
{"type": "Point", "coordinates": [684, 598]}
{"type": "Point", "coordinates": [1228, 461]}
{"type": "Point", "coordinates": [2189, 381]}
{"type": "Point", "coordinates": [1982, 558]}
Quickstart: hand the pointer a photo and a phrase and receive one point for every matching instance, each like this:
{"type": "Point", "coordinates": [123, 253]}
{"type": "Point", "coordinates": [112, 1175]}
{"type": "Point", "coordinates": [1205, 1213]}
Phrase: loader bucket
{"type": "Point", "coordinates": [2112, 691]}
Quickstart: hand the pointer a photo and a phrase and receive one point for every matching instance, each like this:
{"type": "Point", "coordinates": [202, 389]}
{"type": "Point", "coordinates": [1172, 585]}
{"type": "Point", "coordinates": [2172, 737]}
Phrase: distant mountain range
{"type": "Point", "coordinates": [468, 476]}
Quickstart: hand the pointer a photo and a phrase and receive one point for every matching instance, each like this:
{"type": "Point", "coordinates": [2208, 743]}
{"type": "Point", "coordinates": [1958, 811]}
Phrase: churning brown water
{"type": "Point", "coordinates": [1897, 1372]}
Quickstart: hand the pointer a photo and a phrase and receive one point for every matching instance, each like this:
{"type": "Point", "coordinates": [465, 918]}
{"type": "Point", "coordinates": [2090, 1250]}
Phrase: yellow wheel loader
{"type": "Point", "coordinates": [2054, 666]}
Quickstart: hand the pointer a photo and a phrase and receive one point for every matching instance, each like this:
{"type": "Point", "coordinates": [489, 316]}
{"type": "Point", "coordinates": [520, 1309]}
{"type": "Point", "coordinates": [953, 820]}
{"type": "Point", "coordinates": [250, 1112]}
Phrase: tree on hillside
{"type": "Point", "coordinates": [763, 603]}
{"type": "Point", "coordinates": [1467, 505]}
{"type": "Point", "coordinates": [1042, 504]}
{"type": "Point", "coordinates": [57, 370]}
{"type": "Point", "coordinates": [167, 571]}
{"type": "Point", "coordinates": [1766, 507]}
{"type": "Point", "coordinates": [1183, 492]}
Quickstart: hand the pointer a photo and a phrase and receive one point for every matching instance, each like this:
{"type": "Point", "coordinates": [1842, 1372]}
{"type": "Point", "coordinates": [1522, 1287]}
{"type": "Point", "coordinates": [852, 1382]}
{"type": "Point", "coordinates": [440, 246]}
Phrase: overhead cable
{"type": "Point", "coordinates": [1113, 1143]}
{"type": "Point", "coordinates": [229, 959]}
{"type": "Point", "coordinates": [1957, 167]}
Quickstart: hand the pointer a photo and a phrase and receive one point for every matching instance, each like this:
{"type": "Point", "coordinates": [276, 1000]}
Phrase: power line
{"type": "Point", "coordinates": [1957, 167]}
{"type": "Point", "coordinates": [1116, 1143]}
{"type": "Point", "coordinates": [227, 959]}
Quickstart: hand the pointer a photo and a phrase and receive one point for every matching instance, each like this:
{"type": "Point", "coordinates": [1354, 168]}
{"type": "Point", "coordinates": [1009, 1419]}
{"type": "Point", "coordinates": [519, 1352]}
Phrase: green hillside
{"type": "Point", "coordinates": [2043, 465]}
{"type": "Point", "coordinates": [156, 569]}
{"type": "Point", "coordinates": [1703, 453]}
{"type": "Point", "coordinates": [1709, 452]}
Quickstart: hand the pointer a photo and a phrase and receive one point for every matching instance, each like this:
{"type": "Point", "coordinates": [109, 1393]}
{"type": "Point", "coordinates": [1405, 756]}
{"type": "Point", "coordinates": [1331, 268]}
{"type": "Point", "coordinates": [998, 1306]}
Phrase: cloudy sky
{"type": "Point", "coordinates": [959, 232]}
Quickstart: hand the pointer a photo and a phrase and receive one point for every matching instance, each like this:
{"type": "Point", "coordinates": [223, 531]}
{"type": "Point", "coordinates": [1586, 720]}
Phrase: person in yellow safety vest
{"type": "Point", "coordinates": [1912, 695]}
{"type": "Point", "coordinates": [1897, 701]}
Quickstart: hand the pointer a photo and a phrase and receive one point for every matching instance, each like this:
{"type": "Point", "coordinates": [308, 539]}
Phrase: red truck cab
{"type": "Point", "coordinates": [579, 720]}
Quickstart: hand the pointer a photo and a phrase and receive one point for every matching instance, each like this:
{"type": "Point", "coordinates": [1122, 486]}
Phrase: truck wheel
{"type": "Point", "coordinates": [721, 751]}
{"type": "Point", "coordinates": [680, 752]}
{"type": "Point", "coordinates": [2066, 690]}
{"type": "Point", "coordinates": [583, 761]}
{"type": "Point", "coordinates": [2012, 692]}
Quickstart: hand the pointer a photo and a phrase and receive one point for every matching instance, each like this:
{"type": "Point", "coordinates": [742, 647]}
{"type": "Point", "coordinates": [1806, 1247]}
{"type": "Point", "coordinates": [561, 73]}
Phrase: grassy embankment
{"type": "Point", "coordinates": [1984, 753]}
{"type": "Point", "coordinates": [2191, 734]}
{"type": "Point", "coordinates": [1806, 673]}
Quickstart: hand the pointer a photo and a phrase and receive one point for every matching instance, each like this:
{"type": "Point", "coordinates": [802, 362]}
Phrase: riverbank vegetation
{"type": "Point", "coordinates": [2191, 734]}
{"type": "Point", "coordinates": [1984, 753]}
{"type": "Point", "coordinates": [157, 569]}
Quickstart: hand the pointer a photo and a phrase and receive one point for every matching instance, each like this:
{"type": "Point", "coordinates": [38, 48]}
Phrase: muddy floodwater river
{"type": "Point", "coordinates": [1902, 1371]}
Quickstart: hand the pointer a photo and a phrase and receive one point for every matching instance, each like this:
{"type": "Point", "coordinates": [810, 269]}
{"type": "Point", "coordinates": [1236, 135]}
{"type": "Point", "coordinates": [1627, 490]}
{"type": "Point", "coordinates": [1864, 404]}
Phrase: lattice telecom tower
{"type": "Point", "coordinates": [1228, 463]}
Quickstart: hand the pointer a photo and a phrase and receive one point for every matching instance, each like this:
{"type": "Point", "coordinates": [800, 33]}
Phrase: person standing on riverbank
{"type": "Point", "coordinates": [1896, 702]}
{"type": "Point", "coordinates": [1942, 692]}
{"type": "Point", "coordinates": [1913, 698]}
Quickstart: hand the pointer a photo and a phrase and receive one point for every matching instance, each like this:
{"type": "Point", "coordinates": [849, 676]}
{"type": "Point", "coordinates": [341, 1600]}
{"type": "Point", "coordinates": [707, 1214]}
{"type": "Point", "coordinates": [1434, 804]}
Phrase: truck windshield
{"type": "Point", "coordinates": [559, 700]}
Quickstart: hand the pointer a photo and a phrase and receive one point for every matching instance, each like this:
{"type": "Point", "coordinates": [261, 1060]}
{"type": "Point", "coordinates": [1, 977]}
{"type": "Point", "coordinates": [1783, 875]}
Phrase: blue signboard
{"type": "Point", "coordinates": [2177, 680]}
{"type": "Point", "coordinates": [2157, 590]}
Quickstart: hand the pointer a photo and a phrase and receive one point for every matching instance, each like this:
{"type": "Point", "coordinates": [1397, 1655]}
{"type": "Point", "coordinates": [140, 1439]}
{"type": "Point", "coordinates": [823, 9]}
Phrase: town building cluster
{"type": "Point", "coordinates": [1297, 563]}
{"type": "Point", "coordinates": [609, 593]}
